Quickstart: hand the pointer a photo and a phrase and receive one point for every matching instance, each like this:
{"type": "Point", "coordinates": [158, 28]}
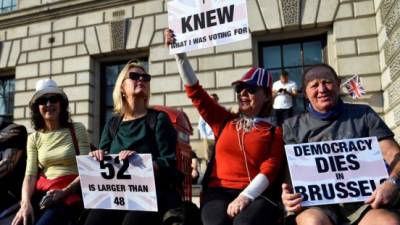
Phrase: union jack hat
{"type": "Point", "coordinates": [256, 77]}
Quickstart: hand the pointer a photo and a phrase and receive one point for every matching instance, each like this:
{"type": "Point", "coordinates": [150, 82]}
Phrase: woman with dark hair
{"type": "Point", "coordinates": [134, 135]}
{"type": "Point", "coordinates": [51, 169]}
{"type": "Point", "coordinates": [248, 150]}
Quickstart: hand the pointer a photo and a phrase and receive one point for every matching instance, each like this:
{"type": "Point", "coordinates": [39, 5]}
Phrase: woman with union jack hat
{"type": "Point", "coordinates": [248, 150]}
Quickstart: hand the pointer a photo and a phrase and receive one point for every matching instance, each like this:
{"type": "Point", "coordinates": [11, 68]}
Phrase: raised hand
{"type": "Point", "coordinates": [169, 37]}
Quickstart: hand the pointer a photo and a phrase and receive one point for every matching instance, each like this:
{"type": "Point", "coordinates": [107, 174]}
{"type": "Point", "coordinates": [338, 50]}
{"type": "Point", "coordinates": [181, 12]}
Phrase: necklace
{"type": "Point", "coordinates": [134, 117]}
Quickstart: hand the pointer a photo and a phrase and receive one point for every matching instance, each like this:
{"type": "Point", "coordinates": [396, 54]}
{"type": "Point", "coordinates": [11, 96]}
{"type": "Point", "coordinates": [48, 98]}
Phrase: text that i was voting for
{"type": "Point", "coordinates": [210, 37]}
{"type": "Point", "coordinates": [336, 171]}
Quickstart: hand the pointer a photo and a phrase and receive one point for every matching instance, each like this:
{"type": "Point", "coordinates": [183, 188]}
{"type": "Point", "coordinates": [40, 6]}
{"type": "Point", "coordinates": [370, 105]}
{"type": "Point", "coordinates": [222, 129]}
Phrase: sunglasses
{"type": "Point", "coordinates": [249, 88]}
{"type": "Point", "coordinates": [136, 76]}
{"type": "Point", "coordinates": [52, 99]}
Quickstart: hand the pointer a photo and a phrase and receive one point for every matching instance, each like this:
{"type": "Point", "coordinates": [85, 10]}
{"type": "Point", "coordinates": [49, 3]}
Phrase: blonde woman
{"type": "Point", "coordinates": [134, 135]}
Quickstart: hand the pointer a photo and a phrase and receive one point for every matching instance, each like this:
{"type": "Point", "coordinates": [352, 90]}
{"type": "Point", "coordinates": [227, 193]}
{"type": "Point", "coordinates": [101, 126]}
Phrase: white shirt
{"type": "Point", "coordinates": [283, 100]}
{"type": "Point", "coordinates": [205, 130]}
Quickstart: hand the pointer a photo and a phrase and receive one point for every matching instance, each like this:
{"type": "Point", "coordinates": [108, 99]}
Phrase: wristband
{"type": "Point", "coordinates": [393, 180]}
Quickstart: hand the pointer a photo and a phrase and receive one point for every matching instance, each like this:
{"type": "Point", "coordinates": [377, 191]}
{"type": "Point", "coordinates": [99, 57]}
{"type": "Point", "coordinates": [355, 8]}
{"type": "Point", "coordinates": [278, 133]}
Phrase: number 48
{"type": "Point", "coordinates": [119, 201]}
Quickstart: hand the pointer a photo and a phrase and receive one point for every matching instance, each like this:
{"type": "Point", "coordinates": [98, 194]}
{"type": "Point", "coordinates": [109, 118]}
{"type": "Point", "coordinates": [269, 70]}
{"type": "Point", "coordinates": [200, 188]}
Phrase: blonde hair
{"type": "Point", "coordinates": [119, 107]}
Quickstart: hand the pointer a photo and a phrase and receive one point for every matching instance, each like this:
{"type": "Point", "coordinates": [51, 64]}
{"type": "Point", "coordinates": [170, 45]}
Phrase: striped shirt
{"type": "Point", "coordinates": [54, 152]}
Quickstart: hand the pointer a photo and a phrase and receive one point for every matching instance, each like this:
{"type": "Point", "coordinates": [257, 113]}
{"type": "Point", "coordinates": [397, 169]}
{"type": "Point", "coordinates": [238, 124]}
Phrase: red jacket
{"type": "Point", "coordinates": [229, 169]}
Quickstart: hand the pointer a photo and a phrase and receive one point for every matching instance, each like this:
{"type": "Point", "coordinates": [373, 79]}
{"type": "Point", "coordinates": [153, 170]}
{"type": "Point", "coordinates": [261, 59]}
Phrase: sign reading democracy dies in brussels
{"type": "Point", "coordinates": [201, 24]}
{"type": "Point", "coordinates": [336, 171]}
{"type": "Point", "coordinates": [115, 184]}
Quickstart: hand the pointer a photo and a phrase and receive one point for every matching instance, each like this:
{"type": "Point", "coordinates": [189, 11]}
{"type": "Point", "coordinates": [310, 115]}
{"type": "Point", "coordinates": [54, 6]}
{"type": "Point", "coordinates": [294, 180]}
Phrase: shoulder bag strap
{"type": "Point", "coordinates": [151, 120]}
{"type": "Point", "coordinates": [114, 125]}
{"type": "Point", "coordinates": [74, 139]}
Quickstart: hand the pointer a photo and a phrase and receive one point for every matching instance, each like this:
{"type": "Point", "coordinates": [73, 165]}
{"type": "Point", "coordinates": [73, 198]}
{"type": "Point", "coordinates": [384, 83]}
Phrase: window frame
{"type": "Point", "coordinates": [9, 8]}
{"type": "Point", "coordinates": [263, 44]}
{"type": "Point", "coordinates": [269, 43]}
{"type": "Point", "coordinates": [9, 97]}
{"type": "Point", "coordinates": [103, 66]}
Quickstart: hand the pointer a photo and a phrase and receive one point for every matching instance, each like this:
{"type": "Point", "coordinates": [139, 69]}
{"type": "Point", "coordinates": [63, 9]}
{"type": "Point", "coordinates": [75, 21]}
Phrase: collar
{"type": "Point", "coordinates": [329, 115]}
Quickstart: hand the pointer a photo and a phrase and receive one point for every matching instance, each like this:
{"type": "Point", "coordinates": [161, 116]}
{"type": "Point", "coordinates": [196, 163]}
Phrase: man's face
{"type": "Point", "coordinates": [323, 93]}
{"type": "Point", "coordinates": [284, 78]}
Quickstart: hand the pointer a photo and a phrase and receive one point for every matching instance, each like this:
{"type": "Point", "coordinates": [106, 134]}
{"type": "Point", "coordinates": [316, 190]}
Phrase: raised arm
{"type": "Point", "coordinates": [185, 69]}
{"type": "Point", "coordinates": [213, 113]}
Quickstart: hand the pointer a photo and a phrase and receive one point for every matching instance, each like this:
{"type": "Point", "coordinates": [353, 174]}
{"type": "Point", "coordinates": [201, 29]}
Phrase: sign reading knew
{"type": "Point", "coordinates": [336, 171]}
{"type": "Point", "coordinates": [116, 184]}
{"type": "Point", "coordinates": [201, 24]}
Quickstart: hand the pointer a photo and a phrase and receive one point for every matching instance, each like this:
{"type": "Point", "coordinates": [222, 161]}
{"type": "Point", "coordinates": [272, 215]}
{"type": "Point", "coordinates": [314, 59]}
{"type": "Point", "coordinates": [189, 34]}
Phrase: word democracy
{"type": "Point", "coordinates": [335, 147]}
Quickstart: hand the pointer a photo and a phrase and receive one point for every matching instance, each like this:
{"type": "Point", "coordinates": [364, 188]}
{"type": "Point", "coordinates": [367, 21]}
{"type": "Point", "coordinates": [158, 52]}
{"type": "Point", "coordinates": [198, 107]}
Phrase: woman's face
{"type": "Point", "coordinates": [251, 99]}
{"type": "Point", "coordinates": [49, 106]}
{"type": "Point", "coordinates": [136, 85]}
{"type": "Point", "coordinates": [323, 93]}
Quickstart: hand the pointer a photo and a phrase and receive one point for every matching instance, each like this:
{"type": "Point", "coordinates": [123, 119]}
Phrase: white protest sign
{"type": "Point", "coordinates": [201, 24]}
{"type": "Point", "coordinates": [113, 184]}
{"type": "Point", "coordinates": [338, 171]}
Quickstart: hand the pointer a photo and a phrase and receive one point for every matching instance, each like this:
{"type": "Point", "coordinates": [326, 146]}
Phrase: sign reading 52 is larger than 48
{"type": "Point", "coordinates": [117, 184]}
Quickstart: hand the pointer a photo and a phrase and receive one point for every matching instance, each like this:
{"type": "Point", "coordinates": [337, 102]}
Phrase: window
{"type": "Point", "coordinates": [8, 5]}
{"type": "Point", "coordinates": [293, 56]}
{"type": "Point", "coordinates": [7, 89]}
{"type": "Point", "coordinates": [110, 72]}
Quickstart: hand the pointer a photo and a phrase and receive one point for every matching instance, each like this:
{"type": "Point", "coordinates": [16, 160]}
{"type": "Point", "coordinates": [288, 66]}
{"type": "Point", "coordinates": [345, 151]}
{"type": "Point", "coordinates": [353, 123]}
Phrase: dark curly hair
{"type": "Point", "coordinates": [37, 119]}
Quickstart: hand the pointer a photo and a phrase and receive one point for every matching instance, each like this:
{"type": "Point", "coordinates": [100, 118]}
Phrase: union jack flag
{"type": "Point", "coordinates": [354, 87]}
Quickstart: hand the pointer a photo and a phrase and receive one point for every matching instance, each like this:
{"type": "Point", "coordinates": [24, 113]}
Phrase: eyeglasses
{"type": "Point", "coordinates": [52, 99]}
{"type": "Point", "coordinates": [249, 88]}
{"type": "Point", "coordinates": [136, 76]}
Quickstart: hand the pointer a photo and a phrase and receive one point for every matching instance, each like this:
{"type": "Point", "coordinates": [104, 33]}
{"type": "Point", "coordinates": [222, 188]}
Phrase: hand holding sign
{"type": "Point", "coordinates": [125, 154]}
{"type": "Point", "coordinates": [383, 195]}
{"type": "Point", "coordinates": [169, 37]}
{"type": "Point", "coordinates": [97, 154]}
{"type": "Point", "coordinates": [291, 200]}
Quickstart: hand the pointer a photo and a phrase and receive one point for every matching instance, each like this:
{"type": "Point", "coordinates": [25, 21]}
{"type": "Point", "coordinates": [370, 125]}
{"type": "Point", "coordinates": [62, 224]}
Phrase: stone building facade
{"type": "Point", "coordinates": [71, 41]}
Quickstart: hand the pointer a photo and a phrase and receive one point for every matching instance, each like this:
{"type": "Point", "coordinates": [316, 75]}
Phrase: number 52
{"type": "Point", "coordinates": [106, 164]}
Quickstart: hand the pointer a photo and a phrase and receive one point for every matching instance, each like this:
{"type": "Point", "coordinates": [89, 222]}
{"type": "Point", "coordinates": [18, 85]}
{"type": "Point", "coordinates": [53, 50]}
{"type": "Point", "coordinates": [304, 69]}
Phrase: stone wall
{"type": "Point", "coordinates": [388, 25]}
{"type": "Point", "coordinates": [66, 40]}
